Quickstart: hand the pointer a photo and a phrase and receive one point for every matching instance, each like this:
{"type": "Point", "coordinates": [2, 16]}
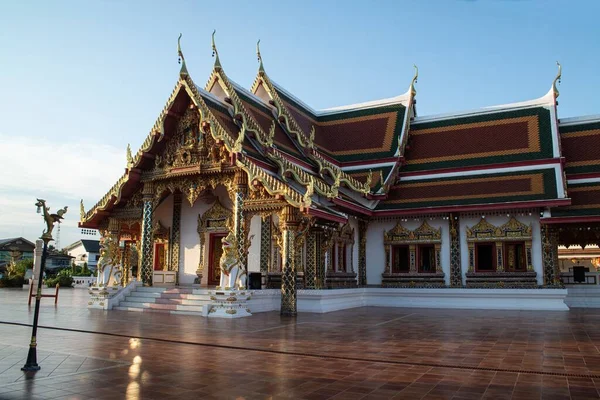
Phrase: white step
{"type": "Point", "coordinates": [153, 289]}
{"type": "Point", "coordinates": [141, 300]}
{"type": "Point", "coordinates": [166, 307]}
{"type": "Point", "coordinates": [194, 313]}
{"type": "Point", "coordinates": [145, 294]}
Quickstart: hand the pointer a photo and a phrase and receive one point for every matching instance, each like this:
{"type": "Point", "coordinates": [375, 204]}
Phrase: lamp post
{"type": "Point", "coordinates": [50, 219]}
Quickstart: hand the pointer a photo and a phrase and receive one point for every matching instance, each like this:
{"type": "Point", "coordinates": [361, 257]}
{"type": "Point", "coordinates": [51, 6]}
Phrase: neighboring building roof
{"type": "Point", "coordinates": [90, 246]}
{"type": "Point", "coordinates": [19, 243]}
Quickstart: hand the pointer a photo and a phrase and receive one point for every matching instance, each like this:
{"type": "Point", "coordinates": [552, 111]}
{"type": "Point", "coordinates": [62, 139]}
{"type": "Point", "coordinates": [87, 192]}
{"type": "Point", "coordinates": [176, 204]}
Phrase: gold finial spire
{"type": "Point", "coordinates": [369, 181]}
{"type": "Point", "coordinates": [271, 135]}
{"type": "Point", "coordinates": [414, 80]}
{"type": "Point", "coordinates": [81, 211]}
{"type": "Point", "coordinates": [310, 190]}
{"type": "Point", "coordinates": [181, 60]}
{"type": "Point", "coordinates": [311, 137]}
{"type": "Point", "coordinates": [129, 156]}
{"type": "Point", "coordinates": [215, 53]}
{"type": "Point", "coordinates": [260, 67]}
{"type": "Point", "coordinates": [557, 79]}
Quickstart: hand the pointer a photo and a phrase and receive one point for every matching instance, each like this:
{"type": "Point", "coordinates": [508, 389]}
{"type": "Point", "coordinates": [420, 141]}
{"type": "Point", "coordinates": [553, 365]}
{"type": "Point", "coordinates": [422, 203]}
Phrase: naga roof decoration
{"type": "Point", "coordinates": [375, 158]}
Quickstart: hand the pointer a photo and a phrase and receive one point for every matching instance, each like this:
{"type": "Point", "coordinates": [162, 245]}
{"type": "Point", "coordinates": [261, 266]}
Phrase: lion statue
{"type": "Point", "coordinates": [233, 275]}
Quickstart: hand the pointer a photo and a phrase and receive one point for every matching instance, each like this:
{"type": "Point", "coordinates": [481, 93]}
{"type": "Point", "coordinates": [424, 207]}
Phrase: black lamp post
{"type": "Point", "coordinates": [50, 219]}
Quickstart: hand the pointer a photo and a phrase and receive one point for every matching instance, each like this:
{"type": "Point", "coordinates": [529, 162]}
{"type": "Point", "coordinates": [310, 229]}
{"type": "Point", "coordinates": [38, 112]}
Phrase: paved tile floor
{"type": "Point", "coordinates": [366, 353]}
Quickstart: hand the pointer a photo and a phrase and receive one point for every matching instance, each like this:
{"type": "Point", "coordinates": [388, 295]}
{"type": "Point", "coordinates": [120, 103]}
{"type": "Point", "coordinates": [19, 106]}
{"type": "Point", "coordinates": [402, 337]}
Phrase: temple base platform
{"type": "Point", "coordinates": [200, 301]}
{"type": "Point", "coordinates": [229, 303]}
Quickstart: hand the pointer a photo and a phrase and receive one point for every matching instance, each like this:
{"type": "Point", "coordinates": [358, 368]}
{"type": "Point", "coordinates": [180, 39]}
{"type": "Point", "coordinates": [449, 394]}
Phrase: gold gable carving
{"type": "Point", "coordinates": [159, 231]}
{"type": "Point", "coordinates": [423, 234]}
{"type": "Point", "coordinates": [513, 229]}
{"type": "Point", "coordinates": [215, 218]}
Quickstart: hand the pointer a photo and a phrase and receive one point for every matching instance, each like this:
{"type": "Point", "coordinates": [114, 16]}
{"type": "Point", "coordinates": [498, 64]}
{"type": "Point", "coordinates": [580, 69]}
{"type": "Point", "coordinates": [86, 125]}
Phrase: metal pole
{"type": "Point", "coordinates": [31, 363]}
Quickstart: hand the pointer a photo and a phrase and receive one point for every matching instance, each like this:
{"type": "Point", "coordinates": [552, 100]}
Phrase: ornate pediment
{"type": "Point", "coordinates": [346, 232]}
{"type": "Point", "coordinates": [215, 218]}
{"type": "Point", "coordinates": [513, 229]}
{"type": "Point", "coordinates": [159, 231]}
{"type": "Point", "coordinates": [423, 234]}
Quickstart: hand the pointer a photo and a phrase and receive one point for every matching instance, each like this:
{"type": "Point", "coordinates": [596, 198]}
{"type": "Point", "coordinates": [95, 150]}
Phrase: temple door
{"type": "Point", "coordinates": [215, 250]}
{"type": "Point", "coordinates": [159, 256]}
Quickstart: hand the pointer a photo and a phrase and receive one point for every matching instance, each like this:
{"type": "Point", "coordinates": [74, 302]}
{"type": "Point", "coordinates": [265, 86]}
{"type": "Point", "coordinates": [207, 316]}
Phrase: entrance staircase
{"type": "Point", "coordinates": [186, 301]}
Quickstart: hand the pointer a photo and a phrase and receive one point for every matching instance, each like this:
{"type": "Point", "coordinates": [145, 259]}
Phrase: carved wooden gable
{"type": "Point", "coordinates": [423, 234]}
{"type": "Point", "coordinates": [513, 229]}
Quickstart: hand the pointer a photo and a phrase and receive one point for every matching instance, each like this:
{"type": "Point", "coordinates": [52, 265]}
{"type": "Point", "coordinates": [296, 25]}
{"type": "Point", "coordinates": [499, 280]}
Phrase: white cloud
{"type": "Point", "coordinates": [61, 173]}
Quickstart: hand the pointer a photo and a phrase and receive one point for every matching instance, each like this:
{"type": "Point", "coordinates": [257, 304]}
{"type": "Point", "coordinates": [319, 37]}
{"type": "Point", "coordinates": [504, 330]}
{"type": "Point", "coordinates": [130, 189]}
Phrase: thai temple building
{"type": "Point", "coordinates": [367, 196]}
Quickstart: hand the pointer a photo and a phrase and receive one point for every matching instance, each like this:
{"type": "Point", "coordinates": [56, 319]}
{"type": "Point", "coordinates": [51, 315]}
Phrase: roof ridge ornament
{"type": "Point", "coordinates": [261, 68]}
{"type": "Point", "coordinates": [129, 157]}
{"type": "Point", "coordinates": [81, 211]}
{"type": "Point", "coordinates": [414, 80]}
{"type": "Point", "coordinates": [181, 59]}
{"type": "Point", "coordinates": [557, 79]}
{"type": "Point", "coordinates": [215, 53]}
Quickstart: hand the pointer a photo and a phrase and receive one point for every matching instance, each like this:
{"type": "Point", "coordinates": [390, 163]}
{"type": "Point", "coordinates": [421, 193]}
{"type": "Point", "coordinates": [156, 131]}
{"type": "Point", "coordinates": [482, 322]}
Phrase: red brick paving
{"type": "Point", "coordinates": [366, 353]}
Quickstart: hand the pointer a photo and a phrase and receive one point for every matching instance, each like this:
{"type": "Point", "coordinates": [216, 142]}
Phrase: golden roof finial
{"type": "Point", "coordinates": [81, 211]}
{"type": "Point", "coordinates": [183, 71]}
{"type": "Point", "coordinates": [260, 67]}
{"type": "Point", "coordinates": [215, 53]}
{"type": "Point", "coordinates": [368, 182]}
{"type": "Point", "coordinates": [311, 138]}
{"type": "Point", "coordinates": [129, 156]}
{"type": "Point", "coordinates": [271, 135]}
{"type": "Point", "coordinates": [310, 190]}
{"type": "Point", "coordinates": [414, 80]}
{"type": "Point", "coordinates": [557, 79]}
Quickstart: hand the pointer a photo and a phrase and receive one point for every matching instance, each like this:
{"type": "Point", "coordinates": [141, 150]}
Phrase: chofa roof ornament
{"type": "Point", "coordinates": [415, 78]}
{"type": "Point", "coordinates": [215, 53]}
{"type": "Point", "coordinates": [183, 71]}
{"type": "Point", "coordinates": [261, 68]}
{"type": "Point", "coordinates": [557, 79]}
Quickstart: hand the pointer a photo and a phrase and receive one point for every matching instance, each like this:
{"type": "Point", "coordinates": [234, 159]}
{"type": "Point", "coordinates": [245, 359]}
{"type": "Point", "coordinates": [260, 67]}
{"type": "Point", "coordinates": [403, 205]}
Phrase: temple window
{"type": "Point", "coordinates": [400, 259]}
{"type": "Point", "coordinates": [484, 255]}
{"type": "Point", "coordinates": [341, 250]}
{"type": "Point", "coordinates": [515, 257]}
{"type": "Point", "coordinates": [426, 258]}
{"type": "Point", "coordinates": [505, 248]}
{"type": "Point", "coordinates": [413, 252]}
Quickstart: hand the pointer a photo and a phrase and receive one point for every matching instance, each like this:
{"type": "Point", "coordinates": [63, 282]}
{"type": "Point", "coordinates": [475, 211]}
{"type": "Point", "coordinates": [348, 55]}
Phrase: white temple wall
{"type": "Point", "coordinates": [164, 212]}
{"type": "Point", "coordinates": [376, 250]}
{"type": "Point", "coordinates": [498, 220]}
{"type": "Point", "coordinates": [254, 251]}
{"type": "Point", "coordinates": [190, 241]}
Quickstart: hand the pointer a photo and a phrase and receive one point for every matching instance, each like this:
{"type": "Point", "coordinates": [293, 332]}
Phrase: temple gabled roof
{"type": "Point", "coordinates": [378, 158]}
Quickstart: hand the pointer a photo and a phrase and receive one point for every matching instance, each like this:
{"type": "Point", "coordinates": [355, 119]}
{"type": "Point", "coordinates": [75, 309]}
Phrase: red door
{"type": "Point", "coordinates": [159, 256]}
{"type": "Point", "coordinates": [214, 255]}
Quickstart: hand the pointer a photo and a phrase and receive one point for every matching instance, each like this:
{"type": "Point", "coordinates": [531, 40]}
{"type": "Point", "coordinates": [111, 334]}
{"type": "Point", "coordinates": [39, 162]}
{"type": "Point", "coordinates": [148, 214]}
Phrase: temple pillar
{"type": "Point", "coordinates": [310, 272]}
{"type": "Point", "coordinates": [362, 252]}
{"type": "Point", "coordinates": [265, 248]}
{"type": "Point", "coordinates": [288, 225]}
{"type": "Point", "coordinates": [320, 259]}
{"type": "Point", "coordinates": [176, 235]}
{"type": "Point", "coordinates": [146, 245]}
{"type": "Point", "coordinates": [455, 269]}
{"type": "Point", "coordinates": [241, 189]}
{"type": "Point", "coordinates": [125, 264]}
{"type": "Point", "coordinates": [550, 254]}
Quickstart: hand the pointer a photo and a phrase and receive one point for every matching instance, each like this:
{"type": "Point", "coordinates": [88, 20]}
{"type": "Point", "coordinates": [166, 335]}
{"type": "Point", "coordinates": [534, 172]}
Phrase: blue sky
{"type": "Point", "coordinates": [81, 79]}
